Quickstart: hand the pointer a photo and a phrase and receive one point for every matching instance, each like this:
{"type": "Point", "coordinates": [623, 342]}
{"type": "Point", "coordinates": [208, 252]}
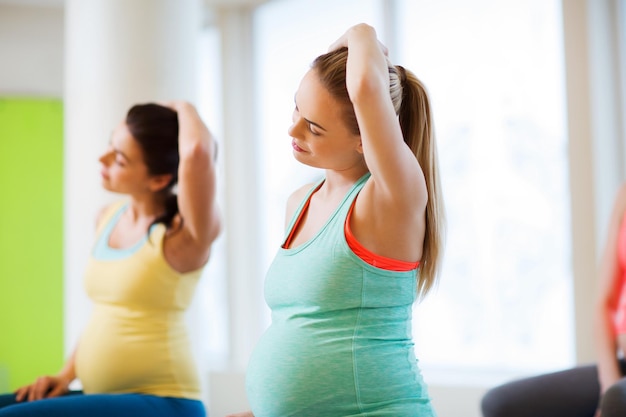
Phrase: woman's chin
{"type": "Point", "coordinates": [106, 185]}
{"type": "Point", "coordinates": [303, 160]}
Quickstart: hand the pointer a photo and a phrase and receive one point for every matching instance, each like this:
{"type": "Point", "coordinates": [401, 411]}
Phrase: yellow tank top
{"type": "Point", "coordinates": [136, 339]}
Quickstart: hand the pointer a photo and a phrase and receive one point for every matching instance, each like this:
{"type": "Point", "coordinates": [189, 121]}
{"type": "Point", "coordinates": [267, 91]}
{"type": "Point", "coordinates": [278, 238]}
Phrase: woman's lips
{"type": "Point", "coordinates": [296, 147]}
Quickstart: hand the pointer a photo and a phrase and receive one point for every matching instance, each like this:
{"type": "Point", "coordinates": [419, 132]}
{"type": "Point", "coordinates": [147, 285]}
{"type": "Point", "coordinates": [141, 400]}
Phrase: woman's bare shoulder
{"type": "Point", "coordinates": [297, 196]}
{"type": "Point", "coordinates": [107, 210]}
{"type": "Point", "coordinates": [295, 199]}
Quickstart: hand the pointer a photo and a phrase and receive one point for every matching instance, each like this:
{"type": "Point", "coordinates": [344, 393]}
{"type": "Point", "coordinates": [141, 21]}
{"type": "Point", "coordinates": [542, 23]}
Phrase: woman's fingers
{"type": "Point", "coordinates": [339, 43]}
{"type": "Point", "coordinates": [40, 389]}
{"type": "Point", "coordinates": [57, 390]}
{"type": "Point", "coordinates": [356, 30]}
{"type": "Point", "coordinates": [22, 393]}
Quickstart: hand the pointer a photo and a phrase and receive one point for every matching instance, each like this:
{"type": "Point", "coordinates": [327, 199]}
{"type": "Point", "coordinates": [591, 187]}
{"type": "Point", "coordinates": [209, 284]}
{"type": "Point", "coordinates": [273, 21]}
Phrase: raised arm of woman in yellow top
{"type": "Point", "coordinates": [188, 246]}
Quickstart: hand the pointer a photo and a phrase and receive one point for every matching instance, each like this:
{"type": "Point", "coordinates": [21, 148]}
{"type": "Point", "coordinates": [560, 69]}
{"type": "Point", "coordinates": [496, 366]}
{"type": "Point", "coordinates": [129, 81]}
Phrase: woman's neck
{"type": "Point", "coordinates": [340, 180]}
{"type": "Point", "coordinates": [145, 210]}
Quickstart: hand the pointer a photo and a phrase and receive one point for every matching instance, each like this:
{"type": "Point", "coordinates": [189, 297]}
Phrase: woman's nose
{"type": "Point", "coordinates": [294, 129]}
{"type": "Point", "coordinates": [291, 129]}
{"type": "Point", "coordinates": [105, 157]}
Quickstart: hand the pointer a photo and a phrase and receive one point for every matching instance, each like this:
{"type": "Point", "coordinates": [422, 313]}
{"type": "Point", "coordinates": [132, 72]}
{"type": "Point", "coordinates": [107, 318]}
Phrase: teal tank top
{"type": "Point", "coordinates": [340, 340]}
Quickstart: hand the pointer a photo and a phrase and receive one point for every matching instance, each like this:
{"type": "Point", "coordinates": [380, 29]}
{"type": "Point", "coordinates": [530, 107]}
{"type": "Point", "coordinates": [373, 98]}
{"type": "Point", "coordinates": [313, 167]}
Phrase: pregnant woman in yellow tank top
{"type": "Point", "coordinates": [134, 356]}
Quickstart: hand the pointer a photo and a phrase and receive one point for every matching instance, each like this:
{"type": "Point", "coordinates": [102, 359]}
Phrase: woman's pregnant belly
{"type": "Point", "coordinates": [311, 371]}
{"type": "Point", "coordinates": [135, 352]}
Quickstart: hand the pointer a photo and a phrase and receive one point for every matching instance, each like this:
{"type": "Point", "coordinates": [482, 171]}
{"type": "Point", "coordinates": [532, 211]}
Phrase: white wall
{"type": "Point", "coordinates": [31, 51]}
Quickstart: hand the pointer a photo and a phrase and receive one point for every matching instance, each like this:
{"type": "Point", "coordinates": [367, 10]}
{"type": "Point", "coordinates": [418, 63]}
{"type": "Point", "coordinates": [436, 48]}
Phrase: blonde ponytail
{"type": "Point", "coordinates": [412, 105]}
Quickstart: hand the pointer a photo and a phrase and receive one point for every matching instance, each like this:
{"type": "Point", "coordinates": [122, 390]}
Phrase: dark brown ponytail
{"type": "Point", "coordinates": [155, 128]}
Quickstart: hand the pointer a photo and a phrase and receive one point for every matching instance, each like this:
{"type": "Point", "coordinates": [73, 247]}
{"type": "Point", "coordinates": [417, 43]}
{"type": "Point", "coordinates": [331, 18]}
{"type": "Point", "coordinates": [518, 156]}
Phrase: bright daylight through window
{"type": "Point", "coordinates": [495, 74]}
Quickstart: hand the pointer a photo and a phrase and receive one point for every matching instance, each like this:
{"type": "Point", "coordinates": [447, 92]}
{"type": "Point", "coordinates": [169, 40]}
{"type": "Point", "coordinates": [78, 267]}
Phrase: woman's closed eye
{"type": "Point", "coordinates": [312, 128]}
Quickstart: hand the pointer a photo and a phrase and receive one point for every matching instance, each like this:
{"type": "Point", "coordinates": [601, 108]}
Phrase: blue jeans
{"type": "Point", "coordinates": [77, 404]}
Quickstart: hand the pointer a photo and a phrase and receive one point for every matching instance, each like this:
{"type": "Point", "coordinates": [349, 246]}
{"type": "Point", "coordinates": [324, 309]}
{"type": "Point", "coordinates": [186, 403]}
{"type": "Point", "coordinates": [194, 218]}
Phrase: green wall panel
{"type": "Point", "coordinates": [31, 239]}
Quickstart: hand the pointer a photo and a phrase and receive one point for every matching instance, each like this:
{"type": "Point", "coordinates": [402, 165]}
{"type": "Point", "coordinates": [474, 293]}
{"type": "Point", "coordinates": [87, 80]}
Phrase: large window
{"type": "Point", "coordinates": [495, 74]}
{"type": "Point", "coordinates": [494, 71]}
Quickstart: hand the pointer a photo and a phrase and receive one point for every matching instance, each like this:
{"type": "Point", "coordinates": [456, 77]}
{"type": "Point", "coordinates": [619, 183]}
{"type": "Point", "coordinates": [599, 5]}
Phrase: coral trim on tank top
{"type": "Point", "coordinates": [296, 224]}
{"type": "Point", "coordinates": [359, 250]}
{"type": "Point", "coordinates": [371, 258]}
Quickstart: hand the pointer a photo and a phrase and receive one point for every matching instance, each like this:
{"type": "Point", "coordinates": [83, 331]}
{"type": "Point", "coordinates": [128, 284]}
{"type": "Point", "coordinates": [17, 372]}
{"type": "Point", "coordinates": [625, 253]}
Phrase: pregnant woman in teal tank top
{"type": "Point", "coordinates": [362, 245]}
